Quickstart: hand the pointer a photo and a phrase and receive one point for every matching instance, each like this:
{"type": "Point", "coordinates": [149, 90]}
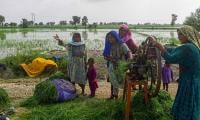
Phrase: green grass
{"type": "Point", "coordinates": [84, 108]}
{"type": "Point", "coordinates": [13, 62]}
{"type": "Point", "coordinates": [4, 99]}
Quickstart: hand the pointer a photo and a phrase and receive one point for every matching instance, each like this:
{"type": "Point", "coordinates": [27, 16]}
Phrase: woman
{"type": "Point", "coordinates": [77, 60]}
{"type": "Point", "coordinates": [118, 51]}
{"type": "Point", "coordinates": [187, 102]}
{"type": "Point", "coordinates": [126, 36]}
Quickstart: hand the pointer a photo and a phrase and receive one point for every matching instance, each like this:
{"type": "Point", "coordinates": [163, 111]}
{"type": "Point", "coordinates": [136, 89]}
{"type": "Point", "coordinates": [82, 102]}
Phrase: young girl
{"type": "Point", "coordinates": [167, 75]}
{"type": "Point", "coordinates": [126, 36]}
{"type": "Point", "coordinates": [91, 76]}
{"type": "Point", "coordinates": [76, 60]}
{"type": "Point", "coordinates": [117, 51]}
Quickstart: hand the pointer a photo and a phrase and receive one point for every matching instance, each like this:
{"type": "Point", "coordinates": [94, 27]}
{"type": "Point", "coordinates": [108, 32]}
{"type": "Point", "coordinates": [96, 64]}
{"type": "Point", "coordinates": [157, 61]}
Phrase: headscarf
{"type": "Point", "coordinates": [128, 35]}
{"type": "Point", "coordinates": [106, 51]}
{"type": "Point", "coordinates": [191, 33]}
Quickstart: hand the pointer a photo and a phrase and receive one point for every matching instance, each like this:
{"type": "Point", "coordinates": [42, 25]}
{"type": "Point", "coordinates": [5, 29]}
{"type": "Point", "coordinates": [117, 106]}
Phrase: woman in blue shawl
{"type": "Point", "coordinates": [114, 52]}
{"type": "Point", "coordinates": [187, 102]}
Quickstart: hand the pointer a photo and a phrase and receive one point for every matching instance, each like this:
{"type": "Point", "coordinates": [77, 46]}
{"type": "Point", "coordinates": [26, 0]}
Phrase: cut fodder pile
{"type": "Point", "coordinates": [52, 91]}
{"type": "Point", "coordinates": [84, 108]}
{"type": "Point", "coordinates": [158, 107]}
{"type": "Point", "coordinates": [4, 99]}
{"type": "Point", "coordinates": [45, 92]}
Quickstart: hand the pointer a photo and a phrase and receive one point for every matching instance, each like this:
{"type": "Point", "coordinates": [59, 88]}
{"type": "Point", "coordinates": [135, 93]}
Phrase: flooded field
{"type": "Point", "coordinates": [42, 39]}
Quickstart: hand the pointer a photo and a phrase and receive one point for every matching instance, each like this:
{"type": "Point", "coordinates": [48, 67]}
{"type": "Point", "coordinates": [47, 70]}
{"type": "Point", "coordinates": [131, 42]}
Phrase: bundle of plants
{"type": "Point", "coordinates": [54, 90]}
{"type": "Point", "coordinates": [58, 75]}
{"type": "Point", "coordinates": [158, 108]}
{"type": "Point", "coordinates": [121, 71]}
{"type": "Point", "coordinates": [13, 62]}
{"type": "Point", "coordinates": [4, 99]}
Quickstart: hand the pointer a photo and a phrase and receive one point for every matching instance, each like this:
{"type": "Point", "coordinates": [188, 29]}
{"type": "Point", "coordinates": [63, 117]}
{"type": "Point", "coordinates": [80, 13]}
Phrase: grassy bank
{"type": "Point", "coordinates": [84, 108]}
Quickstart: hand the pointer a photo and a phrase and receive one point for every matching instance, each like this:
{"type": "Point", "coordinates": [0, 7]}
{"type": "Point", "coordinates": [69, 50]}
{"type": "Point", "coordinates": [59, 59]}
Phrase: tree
{"type": "Point", "coordinates": [84, 21]}
{"type": "Point", "coordinates": [174, 18]}
{"type": "Point", "coordinates": [95, 25]}
{"type": "Point", "coordinates": [51, 23]}
{"type": "Point", "coordinates": [63, 22]}
{"type": "Point", "coordinates": [13, 24]}
{"type": "Point", "coordinates": [2, 20]}
{"type": "Point", "coordinates": [71, 22]}
{"type": "Point", "coordinates": [41, 23]}
{"type": "Point", "coordinates": [194, 19]}
{"type": "Point", "coordinates": [25, 23]}
{"type": "Point", "coordinates": [76, 20]}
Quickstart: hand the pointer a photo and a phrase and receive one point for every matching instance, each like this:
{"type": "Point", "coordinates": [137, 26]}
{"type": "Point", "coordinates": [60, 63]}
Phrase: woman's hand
{"type": "Point", "coordinates": [157, 45]}
{"type": "Point", "coordinates": [56, 37]}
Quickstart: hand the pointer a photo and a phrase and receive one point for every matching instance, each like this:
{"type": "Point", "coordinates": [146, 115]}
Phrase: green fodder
{"type": "Point", "coordinates": [80, 109]}
{"type": "Point", "coordinates": [158, 107]}
{"type": "Point", "coordinates": [84, 108]}
{"type": "Point", "coordinates": [45, 92]}
{"type": "Point", "coordinates": [4, 99]}
{"type": "Point", "coordinates": [121, 70]}
{"type": "Point", "coordinates": [58, 75]}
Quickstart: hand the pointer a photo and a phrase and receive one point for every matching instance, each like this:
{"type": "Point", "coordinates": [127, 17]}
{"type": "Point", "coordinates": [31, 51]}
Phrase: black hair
{"type": "Point", "coordinates": [76, 34]}
{"type": "Point", "coordinates": [91, 60]}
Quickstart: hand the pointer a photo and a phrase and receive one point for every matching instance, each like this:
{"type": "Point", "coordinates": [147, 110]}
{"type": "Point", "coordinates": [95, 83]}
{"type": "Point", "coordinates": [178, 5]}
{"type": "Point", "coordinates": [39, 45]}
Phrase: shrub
{"type": "Point", "coordinates": [4, 99]}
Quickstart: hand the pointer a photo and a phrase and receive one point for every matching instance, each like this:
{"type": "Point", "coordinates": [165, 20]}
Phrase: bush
{"type": "Point", "coordinates": [193, 19]}
{"type": "Point", "coordinates": [45, 92]}
{"type": "Point", "coordinates": [4, 99]}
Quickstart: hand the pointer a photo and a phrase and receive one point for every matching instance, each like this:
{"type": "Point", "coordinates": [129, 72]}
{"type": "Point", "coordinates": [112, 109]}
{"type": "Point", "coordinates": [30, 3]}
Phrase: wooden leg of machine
{"type": "Point", "coordinates": [125, 89]}
{"type": "Point", "coordinates": [128, 101]}
{"type": "Point", "coordinates": [145, 93]}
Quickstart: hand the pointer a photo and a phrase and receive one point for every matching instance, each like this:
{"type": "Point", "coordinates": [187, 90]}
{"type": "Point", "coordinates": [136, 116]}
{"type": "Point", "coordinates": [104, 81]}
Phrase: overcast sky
{"type": "Point", "coordinates": [131, 11]}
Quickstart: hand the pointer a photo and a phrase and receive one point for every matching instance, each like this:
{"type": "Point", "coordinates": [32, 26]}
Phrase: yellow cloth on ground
{"type": "Point", "coordinates": [37, 66]}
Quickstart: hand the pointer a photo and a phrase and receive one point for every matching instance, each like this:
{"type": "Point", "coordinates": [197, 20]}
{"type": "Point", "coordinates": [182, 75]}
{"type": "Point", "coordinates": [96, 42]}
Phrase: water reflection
{"type": "Point", "coordinates": [2, 36]}
{"type": "Point", "coordinates": [24, 33]}
{"type": "Point", "coordinates": [84, 35]}
{"type": "Point", "coordinates": [172, 34]}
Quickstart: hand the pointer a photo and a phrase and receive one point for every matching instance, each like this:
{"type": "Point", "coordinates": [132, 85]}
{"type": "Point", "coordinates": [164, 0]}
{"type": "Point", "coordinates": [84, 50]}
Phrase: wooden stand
{"type": "Point", "coordinates": [127, 93]}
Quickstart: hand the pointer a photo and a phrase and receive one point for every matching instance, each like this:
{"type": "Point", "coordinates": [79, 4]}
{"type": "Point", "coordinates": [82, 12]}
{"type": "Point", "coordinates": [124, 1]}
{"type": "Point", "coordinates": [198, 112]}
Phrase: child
{"type": "Point", "coordinates": [77, 57]}
{"type": "Point", "coordinates": [167, 75]}
{"type": "Point", "coordinates": [91, 76]}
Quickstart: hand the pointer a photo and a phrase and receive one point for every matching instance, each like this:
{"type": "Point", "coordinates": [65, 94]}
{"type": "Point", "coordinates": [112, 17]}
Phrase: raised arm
{"type": "Point", "coordinates": [60, 42]}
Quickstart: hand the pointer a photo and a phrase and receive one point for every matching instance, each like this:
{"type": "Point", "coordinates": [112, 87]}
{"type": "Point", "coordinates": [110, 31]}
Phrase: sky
{"type": "Point", "coordinates": [131, 11]}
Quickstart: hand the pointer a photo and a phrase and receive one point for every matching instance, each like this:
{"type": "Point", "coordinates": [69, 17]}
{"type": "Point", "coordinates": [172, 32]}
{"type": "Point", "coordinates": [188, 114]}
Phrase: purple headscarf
{"type": "Point", "coordinates": [106, 51]}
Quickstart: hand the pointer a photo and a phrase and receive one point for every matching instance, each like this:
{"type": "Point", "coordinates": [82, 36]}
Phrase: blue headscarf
{"type": "Point", "coordinates": [106, 51]}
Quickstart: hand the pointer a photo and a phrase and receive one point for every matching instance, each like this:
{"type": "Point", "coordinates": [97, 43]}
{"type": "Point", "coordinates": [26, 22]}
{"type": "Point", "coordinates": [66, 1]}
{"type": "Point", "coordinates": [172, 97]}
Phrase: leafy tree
{"type": "Point", "coordinates": [13, 24]}
{"type": "Point", "coordinates": [71, 22]}
{"type": "Point", "coordinates": [41, 23]}
{"type": "Point", "coordinates": [194, 19]}
{"type": "Point", "coordinates": [25, 23]}
{"type": "Point", "coordinates": [95, 25]}
{"type": "Point", "coordinates": [63, 22]}
{"type": "Point", "coordinates": [84, 21]}
{"type": "Point", "coordinates": [51, 23]}
{"type": "Point", "coordinates": [76, 20]}
{"type": "Point", "coordinates": [2, 20]}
